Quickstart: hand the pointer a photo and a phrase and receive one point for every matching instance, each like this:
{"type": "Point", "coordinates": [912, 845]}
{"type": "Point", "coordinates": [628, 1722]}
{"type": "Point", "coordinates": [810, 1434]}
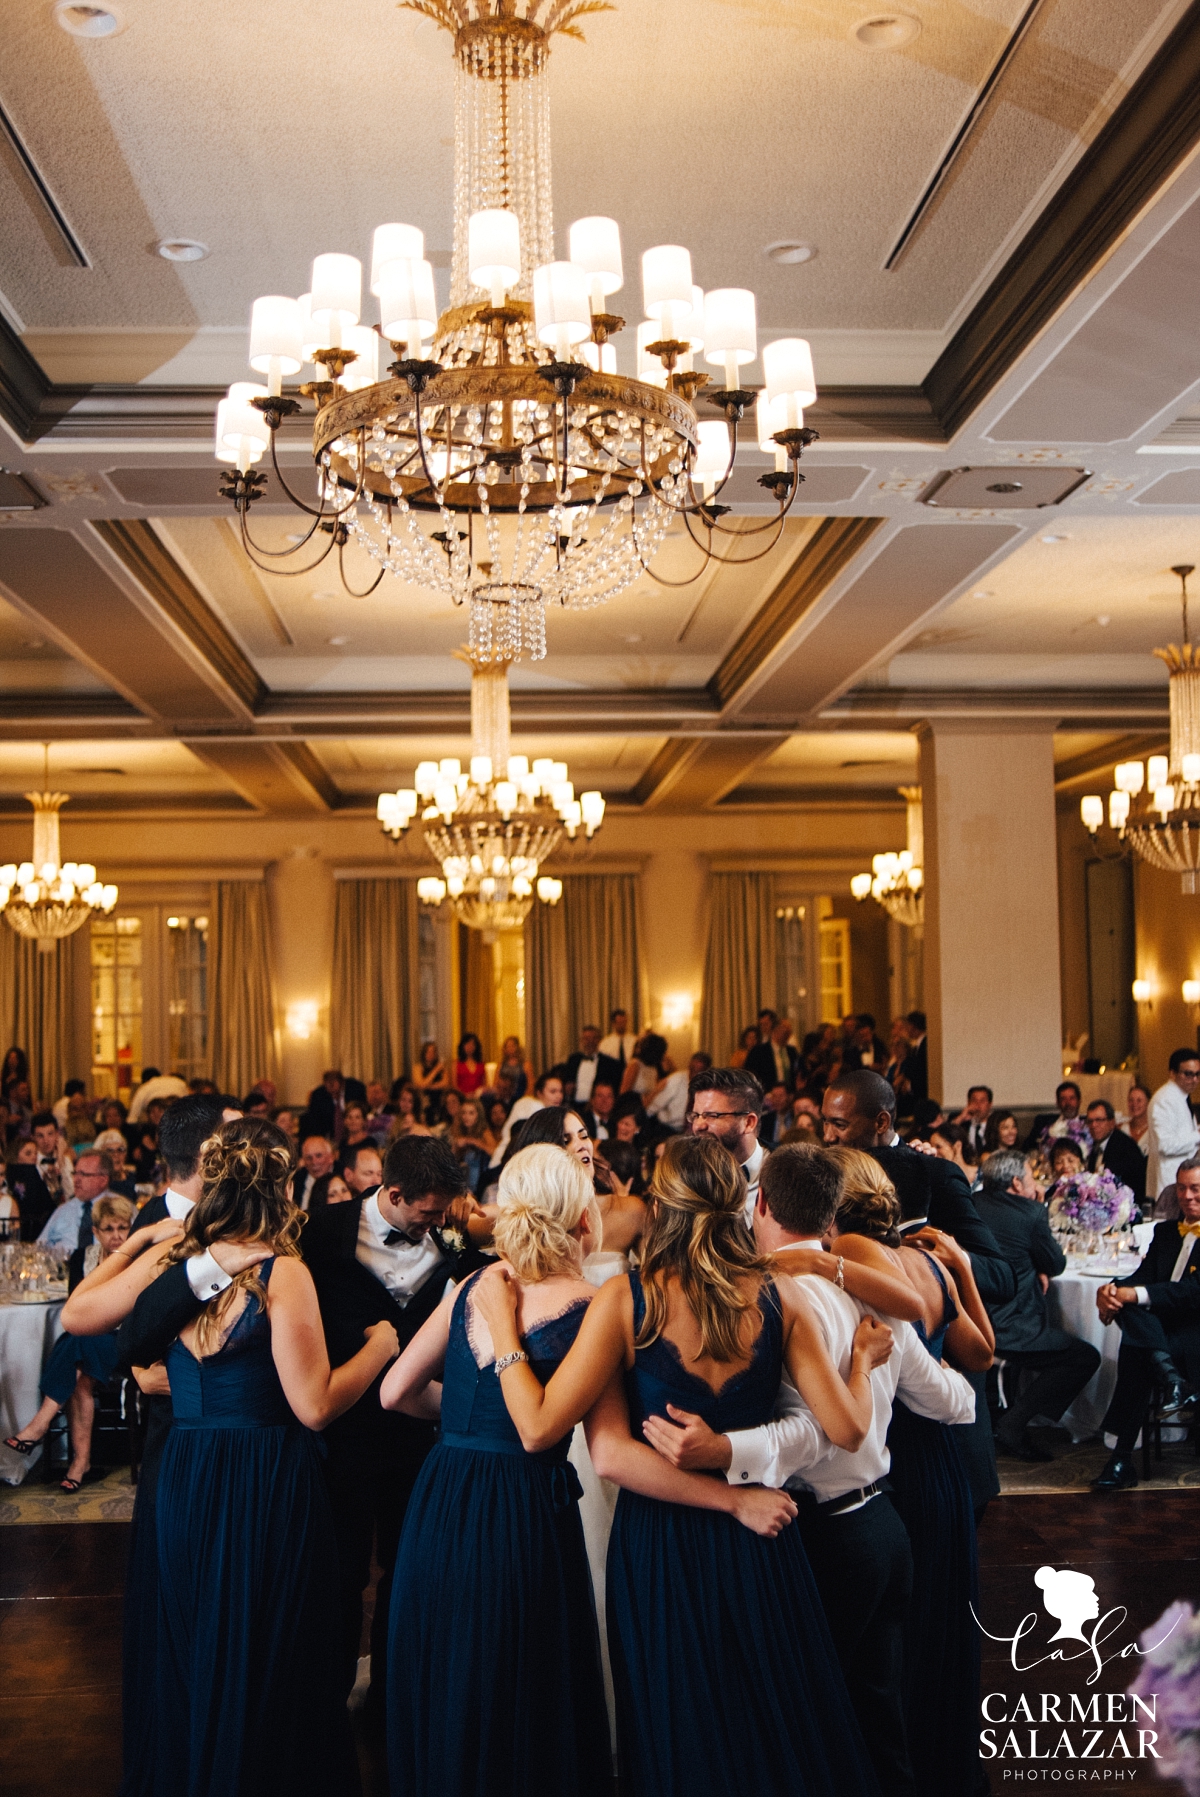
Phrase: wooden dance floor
{"type": "Point", "coordinates": [60, 1631]}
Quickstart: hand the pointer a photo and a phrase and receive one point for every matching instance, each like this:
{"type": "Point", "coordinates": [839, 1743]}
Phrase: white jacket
{"type": "Point", "coordinates": [1173, 1136]}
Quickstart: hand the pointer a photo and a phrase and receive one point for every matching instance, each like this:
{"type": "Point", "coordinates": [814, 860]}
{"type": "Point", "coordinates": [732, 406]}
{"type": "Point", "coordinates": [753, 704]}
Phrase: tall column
{"type": "Point", "coordinates": [992, 991]}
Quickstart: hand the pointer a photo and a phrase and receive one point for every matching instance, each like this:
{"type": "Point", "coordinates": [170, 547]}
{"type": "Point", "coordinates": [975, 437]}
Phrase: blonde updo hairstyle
{"type": "Point", "coordinates": [868, 1205]}
{"type": "Point", "coordinates": [697, 1234]}
{"type": "Point", "coordinates": [247, 1169]}
{"type": "Point", "coordinates": [543, 1195]}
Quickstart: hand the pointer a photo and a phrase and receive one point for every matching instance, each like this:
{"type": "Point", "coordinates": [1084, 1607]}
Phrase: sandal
{"type": "Point", "coordinates": [19, 1445]}
{"type": "Point", "coordinates": [71, 1485]}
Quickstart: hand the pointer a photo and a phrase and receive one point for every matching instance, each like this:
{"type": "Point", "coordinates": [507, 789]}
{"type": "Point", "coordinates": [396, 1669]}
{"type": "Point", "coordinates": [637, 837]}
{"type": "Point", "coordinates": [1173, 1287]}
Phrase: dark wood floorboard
{"type": "Point", "coordinates": [60, 1623]}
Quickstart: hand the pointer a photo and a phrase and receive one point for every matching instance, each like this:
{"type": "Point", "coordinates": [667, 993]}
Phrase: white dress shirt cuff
{"type": "Point", "coordinates": [205, 1277]}
{"type": "Point", "coordinates": [754, 1461]}
{"type": "Point", "coordinates": [1143, 1296]}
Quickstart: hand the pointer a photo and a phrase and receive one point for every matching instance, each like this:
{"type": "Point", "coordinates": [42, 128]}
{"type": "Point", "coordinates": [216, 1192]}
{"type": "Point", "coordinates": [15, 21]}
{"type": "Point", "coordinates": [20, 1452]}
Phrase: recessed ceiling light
{"type": "Point", "coordinates": [323, 594]}
{"type": "Point", "coordinates": [34, 642]}
{"type": "Point", "coordinates": [789, 250]}
{"type": "Point", "coordinates": [886, 30]}
{"type": "Point", "coordinates": [1054, 539]}
{"type": "Point", "coordinates": [633, 638]}
{"type": "Point", "coordinates": [983, 593]}
{"type": "Point", "coordinates": [338, 642]}
{"type": "Point", "coordinates": [297, 536]}
{"type": "Point", "coordinates": [182, 249]}
{"type": "Point", "coordinates": [1104, 620]}
{"type": "Point", "coordinates": [89, 21]}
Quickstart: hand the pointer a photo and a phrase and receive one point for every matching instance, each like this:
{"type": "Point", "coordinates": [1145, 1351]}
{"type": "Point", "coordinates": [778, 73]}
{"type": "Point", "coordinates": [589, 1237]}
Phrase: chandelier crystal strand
{"type": "Point", "coordinates": [47, 899]}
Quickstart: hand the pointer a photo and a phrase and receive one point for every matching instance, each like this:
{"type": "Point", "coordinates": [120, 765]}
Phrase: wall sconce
{"type": "Point", "coordinates": [1141, 992]}
{"type": "Point", "coordinates": [302, 1019]}
{"type": "Point", "coordinates": [1191, 992]}
{"type": "Point", "coordinates": [678, 1009]}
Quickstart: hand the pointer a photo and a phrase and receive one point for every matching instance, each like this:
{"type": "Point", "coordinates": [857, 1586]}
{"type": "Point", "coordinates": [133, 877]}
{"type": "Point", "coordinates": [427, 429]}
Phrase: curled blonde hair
{"type": "Point", "coordinates": [543, 1194]}
{"type": "Point", "coordinates": [697, 1234]}
{"type": "Point", "coordinates": [868, 1205]}
{"type": "Point", "coordinates": [247, 1171]}
{"type": "Point", "coordinates": [111, 1207]}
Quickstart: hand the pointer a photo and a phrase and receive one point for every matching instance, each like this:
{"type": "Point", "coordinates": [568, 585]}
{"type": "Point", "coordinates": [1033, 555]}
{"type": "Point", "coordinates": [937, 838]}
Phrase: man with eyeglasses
{"type": "Point", "coordinates": [727, 1102]}
{"type": "Point", "coordinates": [1174, 1136]}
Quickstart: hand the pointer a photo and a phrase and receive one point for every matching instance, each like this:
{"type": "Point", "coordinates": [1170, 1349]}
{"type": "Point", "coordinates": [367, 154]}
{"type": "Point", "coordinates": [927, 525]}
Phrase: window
{"type": "Point", "coordinates": [835, 969]}
{"type": "Point", "coordinates": [427, 975]}
{"type": "Point", "coordinates": [791, 964]}
{"type": "Point", "coordinates": [116, 957]}
{"type": "Point", "coordinates": [187, 1002]}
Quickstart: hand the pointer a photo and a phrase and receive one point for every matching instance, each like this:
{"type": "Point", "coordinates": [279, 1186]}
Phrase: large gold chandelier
{"type": "Point", "coordinates": [546, 476]}
{"type": "Point", "coordinates": [1165, 829]}
{"type": "Point", "coordinates": [897, 881]}
{"type": "Point", "coordinates": [490, 830]}
{"type": "Point", "coordinates": [46, 898]}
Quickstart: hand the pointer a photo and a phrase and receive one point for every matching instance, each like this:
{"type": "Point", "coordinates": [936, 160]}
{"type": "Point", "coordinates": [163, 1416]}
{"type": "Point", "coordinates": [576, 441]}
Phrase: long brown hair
{"type": "Point", "coordinates": [247, 1168]}
{"type": "Point", "coordinates": [697, 1234]}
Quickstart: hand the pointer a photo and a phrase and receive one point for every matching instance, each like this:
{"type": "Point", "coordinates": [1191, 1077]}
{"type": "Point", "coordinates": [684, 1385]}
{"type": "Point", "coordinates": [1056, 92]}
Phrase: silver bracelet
{"type": "Point", "coordinates": [507, 1360]}
{"type": "Point", "coordinates": [841, 1274]}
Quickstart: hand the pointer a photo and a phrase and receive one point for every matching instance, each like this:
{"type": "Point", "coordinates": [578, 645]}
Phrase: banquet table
{"type": "Point", "coordinates": [1071, 1300]}
{"type": "Point", "coordinates": [28, 1331]}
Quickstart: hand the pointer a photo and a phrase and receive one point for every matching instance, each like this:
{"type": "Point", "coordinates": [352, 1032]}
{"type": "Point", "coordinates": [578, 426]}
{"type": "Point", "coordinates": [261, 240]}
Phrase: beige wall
{"type": "Point", "coordinates": [1168, 952]}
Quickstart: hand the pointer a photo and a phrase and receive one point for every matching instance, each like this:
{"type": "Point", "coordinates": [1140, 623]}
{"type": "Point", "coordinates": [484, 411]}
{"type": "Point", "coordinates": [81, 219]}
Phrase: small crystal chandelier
{"type": "Point", "coordinates": [1165, 829]}
{"type": "Point", "coordinates": [46, 898]}
{"type": "Point", "coordinates": [491, 832]}
{"type": "Point", "coordinates": [897, 882]}
{"type": "Point", "coordinates": [507, 465]}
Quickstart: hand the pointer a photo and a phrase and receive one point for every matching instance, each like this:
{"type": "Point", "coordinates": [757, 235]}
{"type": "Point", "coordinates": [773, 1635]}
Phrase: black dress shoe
{"type": "Point", "coordinates": [1174, 1397]}
{"type": "Point", "coordinates": [1118, 1475]}
{"type": "Point", "coordinates": [1023, 1448]}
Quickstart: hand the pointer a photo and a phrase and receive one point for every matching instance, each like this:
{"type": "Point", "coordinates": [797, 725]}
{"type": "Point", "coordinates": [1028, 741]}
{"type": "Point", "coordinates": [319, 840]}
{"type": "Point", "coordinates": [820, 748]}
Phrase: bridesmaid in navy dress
{"type": "Point", "coordinates": [930, 1489]}
{"type": "Point", "coordinates": [247, 1688]}
{"type": "Point", "coordinates": [725, 1674]}
{"type": "Point", "coordinates": [495, 1683]}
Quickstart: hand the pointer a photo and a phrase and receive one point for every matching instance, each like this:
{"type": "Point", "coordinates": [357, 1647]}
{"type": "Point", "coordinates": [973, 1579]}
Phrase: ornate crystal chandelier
{"type": "Point", "coordinates": [46, 898]}
{"type": "Point", "coordinates": [897, 882]}
{"type": "Point", "coordinates": [1165, 829]}
{"type": "Point", "coordinates": [490, 830]}
{"type": "Point", "coordinates": [546, 476]}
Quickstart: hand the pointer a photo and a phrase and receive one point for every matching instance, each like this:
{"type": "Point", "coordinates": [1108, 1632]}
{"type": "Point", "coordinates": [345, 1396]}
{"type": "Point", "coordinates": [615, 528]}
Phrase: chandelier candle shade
{"type": "Point", "coordinates": [490, 830]}
{"type": "Point", "coordinates": [502, 460]}
{"type": "Point", "coordinates": [897, 881]}
{"type": "Point", "coordinates": [1164, 830]}
{"type": "Point", "coordinates": [46, 898]}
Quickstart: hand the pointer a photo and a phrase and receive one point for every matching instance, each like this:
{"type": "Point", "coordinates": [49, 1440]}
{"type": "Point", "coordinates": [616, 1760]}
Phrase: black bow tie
{"type": "Point", "coordinates": [395, 1236]}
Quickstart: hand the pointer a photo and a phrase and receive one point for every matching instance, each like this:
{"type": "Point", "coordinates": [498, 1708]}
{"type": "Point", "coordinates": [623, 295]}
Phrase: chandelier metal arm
{"type": "Point", "coordinates": [254, 551]}
{"type": "Point", "coordinates": [341, 549]}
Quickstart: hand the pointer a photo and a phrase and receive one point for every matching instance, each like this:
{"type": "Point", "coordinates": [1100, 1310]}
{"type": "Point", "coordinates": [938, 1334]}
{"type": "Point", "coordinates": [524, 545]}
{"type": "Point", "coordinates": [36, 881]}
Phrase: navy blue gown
{"type": "Point", "coordinates": [941, 1640]}
{"type": "Point", "coordinates": [494, 1680]}
{"type": "Point", "coordinates": [725, 1674]}
{"type": "Point", "coordinates": [248, 1694]}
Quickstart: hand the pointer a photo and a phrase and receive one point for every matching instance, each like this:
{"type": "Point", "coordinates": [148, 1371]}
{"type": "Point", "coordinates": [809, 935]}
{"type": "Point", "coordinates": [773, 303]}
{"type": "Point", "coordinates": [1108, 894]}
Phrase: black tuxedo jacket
{"type": "Point", "coordinates": [761, 1063]}
{"type": "Point", "coordinates": [1042, 1121]}
{"type": "Point", "coordinates": [1125, 1160]}
{"type": "Point", "coordinates": [852, 1056]}
{"type": "Point", "coordinates": [153, 1211]}
{"type": "Point", "coordinates": [33, 1199]}
{"type": "Point", "coordinates": [1176, 1305]}
{"type": "Point", "coordinates": [915, 1069]}
{"type": "Point", "coordinates": [1022, 1228]}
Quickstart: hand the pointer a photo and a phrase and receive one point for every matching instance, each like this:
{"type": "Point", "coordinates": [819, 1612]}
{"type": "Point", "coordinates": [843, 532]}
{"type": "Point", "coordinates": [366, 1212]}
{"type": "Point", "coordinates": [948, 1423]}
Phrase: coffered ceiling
{"type": "Point", "coordinates": [1039, 317]}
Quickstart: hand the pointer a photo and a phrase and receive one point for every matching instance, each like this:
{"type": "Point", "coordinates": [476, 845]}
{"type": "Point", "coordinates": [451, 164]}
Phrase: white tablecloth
{"type": "Point", "coordinates": [27, 1334]}
{"type": "Point", "coordinates": [1112, 1086]}
{"type": "Point", "coordinates": [1072, 1304]}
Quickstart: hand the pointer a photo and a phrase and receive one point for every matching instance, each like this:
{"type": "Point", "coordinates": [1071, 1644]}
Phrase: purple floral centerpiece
{"type": "Point", "coordinates": [1091, 1201]}
{"type": "Point", "coordinates": [1171, 1674]}
{"type": "Point", "coordinates": [1075, 1131]}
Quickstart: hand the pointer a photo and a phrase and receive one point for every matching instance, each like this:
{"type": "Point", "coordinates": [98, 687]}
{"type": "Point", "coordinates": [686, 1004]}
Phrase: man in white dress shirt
{"type": "Point", "coordinates": [856, 1543]}
{"type": "Point", "coordinates": [670, 1104]}
{"type": "Point", "coordinates": [727, 1102]}
{"type": "Point", "coordinates": [620, 1041]}
{"type": "Point", "coordinates": [1174, 1137]}
{"type": "Point", "coordinates": [316, 1160]}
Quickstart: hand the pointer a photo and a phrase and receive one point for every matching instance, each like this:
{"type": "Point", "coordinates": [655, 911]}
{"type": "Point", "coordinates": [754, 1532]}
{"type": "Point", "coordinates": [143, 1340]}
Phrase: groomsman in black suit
{"type": "Point", "coordinates": [1157, 1310]}
{"type": "Point", "coordinates": [1114, 1152]}
{"type": "Point", "coordinates": [775, 1061]}
{"type": "Point", "coordinates": [858, 1110]}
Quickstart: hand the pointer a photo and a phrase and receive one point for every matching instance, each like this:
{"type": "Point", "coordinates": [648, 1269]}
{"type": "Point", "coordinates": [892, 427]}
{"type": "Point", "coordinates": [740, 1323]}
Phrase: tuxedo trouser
{"type": "Point", "coordinates": [1142, 1336]}
{"type": "Point", "coordinates": [1060, 1374]}
{"type": "Point", "coordinates": [862, 1564]}
{"type": "Point", "coordinates": [370, 1478]}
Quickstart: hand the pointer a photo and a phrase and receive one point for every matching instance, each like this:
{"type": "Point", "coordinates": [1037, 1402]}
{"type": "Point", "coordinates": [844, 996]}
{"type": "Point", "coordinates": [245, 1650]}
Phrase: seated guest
{"type": "Point", "coordinates": [288, 1121]}
{"type": "Point", "coordinates": [668, 1103]}
{"type": "Point", "coordinates": [429, 1074]}
{"type": "Point", "coordinates": [604, 1097]}
{"type": "Point", "coordinates": [647, 1067]}
{"type": "Point", "coordinates": [54, 1157]}
{"type": "Point", "coordinates": [1113, 1152]}
{"type": "Point", "coordinates": [1066, 1160]}
{"type": "Point", "coordinates": [70, 1224]}
{"type": "Point", "coordinates": [79, 1364]}
{"type": "Point", "coordinates": [974, 1116]}
{"type": "Point", "coordinates": [775, 1061]}
{"type": "Point", "coordinates": [952, 1142]}
{"type": "Point", "coordinates": [61, 1106]}
{"type": "Point", "coordinates": [363, 1168]}
{"type": "Point", "coordinates": [628, 1120]}
{"type": "Point", "coordinates": [336, 1190]}
{"type": "Point", "coordinates": [316, 1160]}
{"type": "Point", "coordinates": [1069, 1100]}
{"type": "Point", "coordinates": [1003, 1131]}
{"type": "Point", "coordinates": [1060, 1364]}
{"type": "Point", "coordinates": [514, 1067]}
{"type": "Point", "coordinates": [1137, 1124]}
{"type": "Point", "coordinates": [547, 1090]}
{"type": "Point", "coordinates": [472, 1143]}
{"type": "Point", "coordinates": [1157, 1310]}
{"type": "Point", "coordinates": [864, 1049]}
{"type": "Point", "coordinates": [776, 1117]}
{"type": "Point", "coordinates": [405, 1106]}
{"type": "Point", "coordinates": [748, 1039]}
{"type": "Point", "coordinates": [78, 1126]}
{"type": "Point", "coordinates": [470, 1074]}
{"type": "Point", "coordinates": [354, 1131]}
{"type": "Point", "coordinates": [26, 1185]}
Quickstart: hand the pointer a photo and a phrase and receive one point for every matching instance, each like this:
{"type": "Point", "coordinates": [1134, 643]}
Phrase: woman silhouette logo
{"type": "Point", "coordinates": [1070, 1597]}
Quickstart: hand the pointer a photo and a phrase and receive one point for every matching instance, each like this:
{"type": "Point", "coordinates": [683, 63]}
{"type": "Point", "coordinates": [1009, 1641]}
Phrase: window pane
{"type": "Point", "coordinates": [116, 957]}
{"type": "Point", "coordinates": [187, 1003]}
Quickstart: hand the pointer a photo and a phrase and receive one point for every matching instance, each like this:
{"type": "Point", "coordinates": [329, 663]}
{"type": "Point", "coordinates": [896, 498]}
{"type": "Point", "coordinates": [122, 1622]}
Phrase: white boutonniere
{"type": "Point", "coordinates": [453, 1241]}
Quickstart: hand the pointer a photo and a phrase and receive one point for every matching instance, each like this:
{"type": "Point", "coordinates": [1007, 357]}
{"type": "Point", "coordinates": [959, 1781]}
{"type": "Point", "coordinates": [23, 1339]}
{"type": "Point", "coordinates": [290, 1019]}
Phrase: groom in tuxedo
{"type": "Point", "coordinates": [385, 1255]}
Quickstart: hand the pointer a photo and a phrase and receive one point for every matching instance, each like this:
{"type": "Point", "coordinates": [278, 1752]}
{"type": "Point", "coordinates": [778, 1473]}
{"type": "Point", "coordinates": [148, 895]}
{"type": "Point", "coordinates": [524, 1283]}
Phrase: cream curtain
{"type": "Point", "coordinates": [37, 995]}
{"type": "Point", "coordinates": [739, 965]}
{"type": "Point", "coordinates": [583, 957]}
{"type": "Point", "coordinates": [374, 1009]}
{"type": "Point", "coordinates": [241, 1011]}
